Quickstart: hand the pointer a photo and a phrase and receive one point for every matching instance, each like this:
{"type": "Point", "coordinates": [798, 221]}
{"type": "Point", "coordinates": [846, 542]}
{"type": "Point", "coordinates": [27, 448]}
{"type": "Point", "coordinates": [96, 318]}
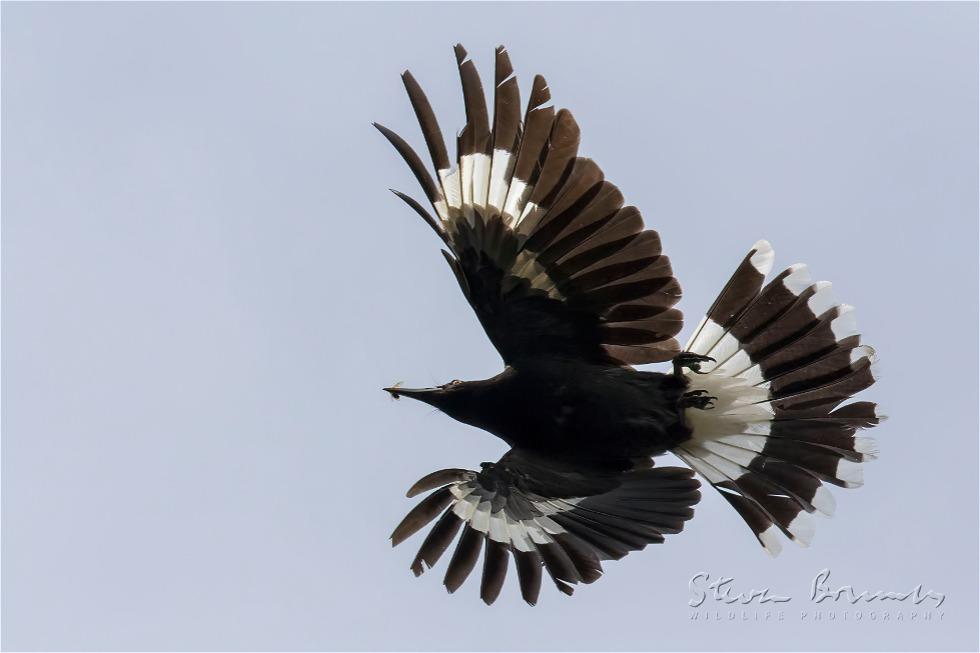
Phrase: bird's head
{"type": "Point", "coordinates": [456, 398]}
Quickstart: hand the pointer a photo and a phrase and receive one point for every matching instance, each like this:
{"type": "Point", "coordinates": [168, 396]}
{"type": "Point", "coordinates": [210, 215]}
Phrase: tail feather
{"type": "Point", "coordinates": [786, 356]}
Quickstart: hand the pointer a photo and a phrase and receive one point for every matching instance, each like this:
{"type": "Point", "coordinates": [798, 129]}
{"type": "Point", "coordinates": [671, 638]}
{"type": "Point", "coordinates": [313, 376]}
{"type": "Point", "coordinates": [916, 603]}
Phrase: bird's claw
{"type": "Point", "coordinates": [699, 399]}
{"type": "Point", "coordinates": [691, 361]}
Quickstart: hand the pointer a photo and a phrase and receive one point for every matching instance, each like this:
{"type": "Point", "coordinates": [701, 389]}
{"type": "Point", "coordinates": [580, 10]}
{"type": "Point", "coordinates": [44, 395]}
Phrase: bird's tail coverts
{"type": "Point", "coordinates": [785, 357]}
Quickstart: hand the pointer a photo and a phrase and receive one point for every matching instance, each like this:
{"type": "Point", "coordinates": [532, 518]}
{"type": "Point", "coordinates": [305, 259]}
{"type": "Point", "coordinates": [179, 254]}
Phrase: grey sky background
{"type": "Point", "coordinates": [206, 284]}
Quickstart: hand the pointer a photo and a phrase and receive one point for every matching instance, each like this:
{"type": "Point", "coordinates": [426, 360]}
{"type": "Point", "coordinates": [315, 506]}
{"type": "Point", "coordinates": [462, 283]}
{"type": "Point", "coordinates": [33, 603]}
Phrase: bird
{"type": "Point", "coordinates": [574, 292]}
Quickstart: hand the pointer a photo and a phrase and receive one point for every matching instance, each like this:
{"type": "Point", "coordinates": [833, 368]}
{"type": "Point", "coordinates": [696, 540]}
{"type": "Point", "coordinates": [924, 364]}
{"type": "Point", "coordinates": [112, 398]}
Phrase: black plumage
{"type": "Point", "coordinates": [573, 290]}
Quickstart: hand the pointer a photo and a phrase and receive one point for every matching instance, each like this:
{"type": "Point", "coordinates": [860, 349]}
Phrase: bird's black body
{"type": "Point", "coordinates": [597, 415]}
{"type": "Point", "coordinates": [573, 290]}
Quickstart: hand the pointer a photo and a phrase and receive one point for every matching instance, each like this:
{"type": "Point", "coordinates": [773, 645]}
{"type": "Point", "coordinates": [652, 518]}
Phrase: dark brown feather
{"type": "Point", "coordinates": [438, 479]}
{"type": "Point", "coordinates": [464, 558]}
{"type": "Point", "coordinates": [475, 137]}
{"type": "Point", "coordinates": [436, 542]}
{"type": "Point", "coordinates": [414, 163]}
{"type": "Point", "coordinates": [528, 564]}
{"type": "Point", "coordinates": [427, 121]}
{"type": "Point", "coordinates": [739, 291]}
{"type": "Point", "coordinates": [582, 557]}
{"type": "Point", "coordinates": [537, 126]}
{"type": "Point", "coordinates": [418, 208]}
{"type": "Point", "coordinates": [427, 510]}
{"type": "Point", "coordinates": [494, 570]}
{"type": "Point", "coordinates": [562, 147]}
{"type": "Point", "coordinates": [506, 105]}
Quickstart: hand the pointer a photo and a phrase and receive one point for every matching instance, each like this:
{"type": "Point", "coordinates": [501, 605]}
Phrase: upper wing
{"type": "Point", "coordinates": [566, 519]}
{"type": "Point", "coordinates": [542, 246]}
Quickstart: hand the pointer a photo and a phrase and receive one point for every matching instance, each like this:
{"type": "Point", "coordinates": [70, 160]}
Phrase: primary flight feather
{"type": "Point", "coordinates": [572, 291]}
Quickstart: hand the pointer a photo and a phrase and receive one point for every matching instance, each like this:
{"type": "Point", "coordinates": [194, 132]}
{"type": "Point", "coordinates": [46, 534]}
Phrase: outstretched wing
{"type": "Point", "coordinates": [543, 248]}
{"type": "Point", "coordinates": [560, 518]}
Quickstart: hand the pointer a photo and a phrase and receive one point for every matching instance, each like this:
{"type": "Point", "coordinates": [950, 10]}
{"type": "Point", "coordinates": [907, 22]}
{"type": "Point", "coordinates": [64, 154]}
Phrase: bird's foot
{"type": "Point", "coordinates": [690, 361]}
{"type": "Point", "coordinates": [699, 399]}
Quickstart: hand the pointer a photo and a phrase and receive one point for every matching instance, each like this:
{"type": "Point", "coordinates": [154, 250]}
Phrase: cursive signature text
{"type": "Point", "coordinates": [722, 591]}
{"type": "Point", "coordinates": [820, 591]}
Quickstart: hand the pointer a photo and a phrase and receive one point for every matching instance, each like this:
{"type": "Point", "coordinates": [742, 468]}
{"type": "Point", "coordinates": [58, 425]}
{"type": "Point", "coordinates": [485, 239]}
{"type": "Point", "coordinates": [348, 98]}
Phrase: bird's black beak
{"type": "Point", "coordinates": [422, 394]}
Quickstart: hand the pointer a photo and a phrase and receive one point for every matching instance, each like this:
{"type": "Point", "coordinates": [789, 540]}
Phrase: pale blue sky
{"type": "Point", "coordinates": [206, 284]}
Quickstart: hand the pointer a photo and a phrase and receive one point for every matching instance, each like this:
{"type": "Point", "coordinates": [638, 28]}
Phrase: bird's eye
{"type": "Point", "coordinates": [454, 382]}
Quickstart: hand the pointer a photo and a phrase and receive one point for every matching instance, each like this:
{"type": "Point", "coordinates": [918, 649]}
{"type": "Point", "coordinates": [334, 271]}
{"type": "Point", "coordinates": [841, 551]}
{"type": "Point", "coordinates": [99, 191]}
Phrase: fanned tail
{"type": "Point", "coordinates": [785, 357]}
